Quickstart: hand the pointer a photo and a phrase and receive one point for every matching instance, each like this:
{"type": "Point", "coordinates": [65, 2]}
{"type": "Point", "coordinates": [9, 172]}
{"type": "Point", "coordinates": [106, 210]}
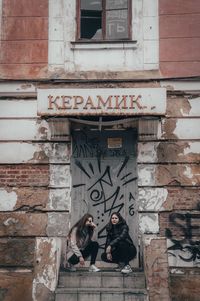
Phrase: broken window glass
{"type": "Point", "coordinates": [91, 18]}
{"type": "Point", "coordinates": [104, 19]}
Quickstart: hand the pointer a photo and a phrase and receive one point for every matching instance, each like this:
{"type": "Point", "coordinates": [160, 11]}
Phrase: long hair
{"type": "Point", "coordinates": [121, 220]}
{"type": "Point", "coordinates": [80, 226]}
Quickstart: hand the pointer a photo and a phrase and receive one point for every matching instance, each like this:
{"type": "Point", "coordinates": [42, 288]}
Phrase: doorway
{"type": "Point", "coordinates": [104, 178]}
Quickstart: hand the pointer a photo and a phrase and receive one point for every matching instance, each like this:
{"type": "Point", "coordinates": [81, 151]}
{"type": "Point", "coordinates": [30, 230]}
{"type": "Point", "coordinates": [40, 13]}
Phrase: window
{"type": "Point", "coordinates": [104, 20]}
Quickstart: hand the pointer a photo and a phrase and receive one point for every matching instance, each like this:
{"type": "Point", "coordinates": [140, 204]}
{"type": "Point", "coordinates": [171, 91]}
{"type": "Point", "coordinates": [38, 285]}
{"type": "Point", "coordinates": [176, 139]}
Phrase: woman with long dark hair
{"type": "Point", "coordinates": [119, 247]}
{"type": "Point", "coordinates": [81, 245]}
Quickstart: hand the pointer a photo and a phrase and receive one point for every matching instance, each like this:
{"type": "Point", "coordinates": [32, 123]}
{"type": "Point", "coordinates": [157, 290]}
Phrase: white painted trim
{"type": "Point", "coordinates": [67, 55]}
{"type": "Point", "coordinates": [181, 85]}
{"type": "Point", "coordinates": [89, 46]}
{"type": "Point", "coordinates": [20, 88]}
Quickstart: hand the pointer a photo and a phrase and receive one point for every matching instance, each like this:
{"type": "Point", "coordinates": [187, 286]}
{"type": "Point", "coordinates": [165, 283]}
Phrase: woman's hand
{"type": "Point", "coordinates": [93, 225]}
{"type": "Point", "coordinates": [82, 261]}
{"type": "Point", "coordinates": [108, 253]}
{"type": "Point", "coordinates": [109, 256]}
{"type": "Point", "coordinates": [108, 249]}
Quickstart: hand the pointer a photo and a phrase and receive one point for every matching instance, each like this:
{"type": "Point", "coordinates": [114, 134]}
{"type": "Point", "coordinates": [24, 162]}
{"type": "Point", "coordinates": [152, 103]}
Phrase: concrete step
{"type": "Point", "coordinates": [103, 279]}
{"type": "Point", "coordinates": [100, 294]}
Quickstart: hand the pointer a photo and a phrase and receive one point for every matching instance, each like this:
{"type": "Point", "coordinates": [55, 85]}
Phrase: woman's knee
{"type": "Point", "coordinates": [73, 259]}
{"type": "Point", "coordinates": [95, 244]}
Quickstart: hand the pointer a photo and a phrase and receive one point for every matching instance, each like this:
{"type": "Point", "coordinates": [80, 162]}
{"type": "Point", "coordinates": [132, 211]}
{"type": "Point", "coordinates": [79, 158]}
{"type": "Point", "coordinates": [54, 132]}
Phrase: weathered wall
{"type": "Point", "coordinates": [35, 185]}
{"type": "Point", "coordinates": [34, 198]}
{"type": "Point", "coordinates": [179, 32]}
{"type": "Point", "coordinates": [24, 38]}
{"type": "Point", "coordinates": [36, 41]}
{"type": "Point", "coordinates": [170, 198]}
{"type": "Point", "coordinates": [35, 181]}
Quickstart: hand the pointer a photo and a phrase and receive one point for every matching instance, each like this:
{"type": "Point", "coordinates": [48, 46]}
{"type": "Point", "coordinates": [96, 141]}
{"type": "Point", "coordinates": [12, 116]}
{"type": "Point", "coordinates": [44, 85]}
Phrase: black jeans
{"type": "Point", "coordinates": [123, 252]}
{"type": "Point", "coordinates": [91, 249]}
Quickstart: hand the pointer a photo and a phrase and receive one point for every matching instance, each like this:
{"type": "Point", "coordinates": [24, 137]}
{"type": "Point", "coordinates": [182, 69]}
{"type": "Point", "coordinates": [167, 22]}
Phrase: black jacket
{"type": "Point", "coordinates": [118, 233]}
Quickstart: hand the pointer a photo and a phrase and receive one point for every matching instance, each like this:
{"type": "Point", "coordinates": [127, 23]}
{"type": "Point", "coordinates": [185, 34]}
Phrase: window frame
{"type": "Point", "coordinates": [103, 40]}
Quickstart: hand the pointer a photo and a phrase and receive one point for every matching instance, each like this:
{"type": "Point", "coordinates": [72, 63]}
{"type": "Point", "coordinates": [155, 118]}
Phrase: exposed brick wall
{"type": "Point", "coordinates": [182, 198]}
{"type": "Point", "coordinates": [24, 175]}
{"type": "Point", "coordinates": [180, 223]}
{"type": "Point", "coordinates": [17, 252]}
{"type": "Point", "coordinates": [16, 286]}
{"type": "Point", "coordinates": [185, 287]}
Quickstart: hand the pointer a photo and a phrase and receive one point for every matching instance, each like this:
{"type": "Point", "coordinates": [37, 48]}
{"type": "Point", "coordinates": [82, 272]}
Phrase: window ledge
{"type": "Point", "coordinates": [93, 45]}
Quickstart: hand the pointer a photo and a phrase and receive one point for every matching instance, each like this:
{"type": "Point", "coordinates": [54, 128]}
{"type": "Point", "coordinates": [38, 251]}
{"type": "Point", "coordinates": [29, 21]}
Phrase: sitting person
{"type": "Point", "coordinates": [80, 244]}
{"type": "Point", "coordinates": [119, 247]}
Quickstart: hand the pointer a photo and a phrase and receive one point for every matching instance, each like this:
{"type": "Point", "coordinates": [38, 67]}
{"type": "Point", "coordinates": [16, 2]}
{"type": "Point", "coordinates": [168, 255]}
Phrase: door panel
{"type": "Point", "coordinates": [104, 178]}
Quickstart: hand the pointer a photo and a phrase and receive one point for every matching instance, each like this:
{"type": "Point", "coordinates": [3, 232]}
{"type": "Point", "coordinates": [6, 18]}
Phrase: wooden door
{"type": "Point", "coordinates": [104, 178]}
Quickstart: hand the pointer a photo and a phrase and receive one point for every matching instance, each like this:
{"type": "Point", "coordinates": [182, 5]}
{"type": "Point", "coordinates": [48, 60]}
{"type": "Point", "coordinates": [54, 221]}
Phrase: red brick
{"type": "Point", "coordinates": [25, 8]}
{"type": "Point", "coordinates": [182, 198]}
{"type": "Point", "coordinates": [178, 226]}
{"type": "Point", "coordinates": [29, 175]}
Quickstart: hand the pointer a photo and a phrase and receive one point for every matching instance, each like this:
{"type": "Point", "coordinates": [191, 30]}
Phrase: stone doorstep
{"type": "Point", "coordinates": [101, 290]}
{"type": "Point", "coordinates": [111, 279]}
{"type": "Point", "coordinates": [100, 294]}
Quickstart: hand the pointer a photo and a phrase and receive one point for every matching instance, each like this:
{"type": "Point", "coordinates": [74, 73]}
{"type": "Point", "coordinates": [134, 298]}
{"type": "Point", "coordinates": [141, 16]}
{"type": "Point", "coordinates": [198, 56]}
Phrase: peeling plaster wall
{"type": "Point", "coordinates": [169, 197]}
{"type": "Point", "coordinates": [34, 196]}
{"type": "Point", "coordinates": [36, 185]}
{"type": "Point", "coordinates": [46, 269]}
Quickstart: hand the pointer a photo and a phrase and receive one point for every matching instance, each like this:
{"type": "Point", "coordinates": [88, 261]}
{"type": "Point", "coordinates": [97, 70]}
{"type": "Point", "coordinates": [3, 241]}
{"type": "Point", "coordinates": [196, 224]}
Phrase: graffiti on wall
{"type": "Point", "coordinates": [107, 190]}
{"type": "Point", "coordinates": [189, 226]}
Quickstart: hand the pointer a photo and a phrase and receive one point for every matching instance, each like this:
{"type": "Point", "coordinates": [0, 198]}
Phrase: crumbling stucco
{"type": "Point", "coordinates": [8, 200]}
{"type": "Point", "coordinates": [47, 265]}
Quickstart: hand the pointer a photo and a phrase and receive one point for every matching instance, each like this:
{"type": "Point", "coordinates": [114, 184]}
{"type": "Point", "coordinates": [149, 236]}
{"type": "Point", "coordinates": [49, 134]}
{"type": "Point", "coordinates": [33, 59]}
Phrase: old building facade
{"type": "Point", "coordinates": [99, 120]}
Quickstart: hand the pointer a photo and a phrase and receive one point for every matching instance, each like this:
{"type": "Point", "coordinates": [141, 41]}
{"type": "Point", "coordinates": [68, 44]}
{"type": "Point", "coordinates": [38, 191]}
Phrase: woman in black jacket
{"type": "Point", "coordinates": [119, 246]}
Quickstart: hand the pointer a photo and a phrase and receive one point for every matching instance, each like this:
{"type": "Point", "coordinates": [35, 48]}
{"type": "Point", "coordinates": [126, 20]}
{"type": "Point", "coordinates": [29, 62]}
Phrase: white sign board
{"type": "Point", "coordinates": [71, 102]}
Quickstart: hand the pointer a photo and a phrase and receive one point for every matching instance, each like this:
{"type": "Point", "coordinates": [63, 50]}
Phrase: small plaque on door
{"type": "Point", "coordinates": [114, 142]}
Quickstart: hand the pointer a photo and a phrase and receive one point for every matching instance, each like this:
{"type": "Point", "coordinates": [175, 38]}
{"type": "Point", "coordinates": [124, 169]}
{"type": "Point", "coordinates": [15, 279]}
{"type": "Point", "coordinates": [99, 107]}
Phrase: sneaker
{"type": "Point", "coordinates": [120, 266]}
{"type": "Point", "coordinates": [127, 269]}
{"type": "Point", "coordinates": [93, 268]}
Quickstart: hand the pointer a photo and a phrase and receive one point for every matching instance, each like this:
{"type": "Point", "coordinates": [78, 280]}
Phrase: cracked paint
{"type": "Point", "coordinates": [152, 199]}
{"type": "Point", "coordinates": [190, 175]}
{"type": "Point", "coordinates": [8, 200]}
{"type": "Point", "coordinates": [146, 175]}
{"type": "Point", "coordinates": [149, 238]}
{"type": "Point", "coordinates": [10, 221]}
{"type": "Point", "coordinates": [47, 263]}
{"type": "Point", "coordinates": [147, 152]}
{"type": "Point", "coordinates": [192, 147]}
{"type": "Point", "coordinates": [59, 199]}
{"type": "Point", "coordinates": [148, 223]}
{"type": "Point", "coordinates": [192, 108]}
{"type": "Point", "coordinates": [60, 176]}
